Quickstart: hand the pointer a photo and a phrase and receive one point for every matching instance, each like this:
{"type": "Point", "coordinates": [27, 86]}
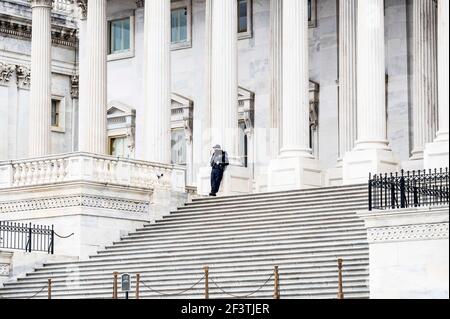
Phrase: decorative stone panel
{"type": "Point", "coordinates": [408, 232]}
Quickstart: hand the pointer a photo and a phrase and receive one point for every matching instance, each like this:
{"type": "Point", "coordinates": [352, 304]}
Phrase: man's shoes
{"type": "Point", "coordinates": [212, 194]}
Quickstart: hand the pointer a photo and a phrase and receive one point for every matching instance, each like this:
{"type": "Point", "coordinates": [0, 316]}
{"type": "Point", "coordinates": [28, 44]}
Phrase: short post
{"type": "Point", "coordinates": [115, 275]}
{"type": "Point", "coordinates": [49, 289]}
{"type": "Point", "coordinates": [340, 289]}
{"type": "Point", "coordinates": [276, 288]}
{"type": "Point", "coordinates": [138, 279]}
{"type": "Point", "coordinates": [206, 269]}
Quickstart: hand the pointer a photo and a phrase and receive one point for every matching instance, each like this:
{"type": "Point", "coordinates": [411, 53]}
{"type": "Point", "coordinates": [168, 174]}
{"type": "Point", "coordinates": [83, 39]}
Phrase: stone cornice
{"type": "Point", "coordinates": [19, 27]}
{"type": "Point", "coordinates": [76, 200]}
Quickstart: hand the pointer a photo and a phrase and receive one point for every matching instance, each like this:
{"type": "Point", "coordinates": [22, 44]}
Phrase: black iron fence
{"type": "Point", "coordinates": [27, 237]}
{"type": "Point", "coordinates": [409, 189]}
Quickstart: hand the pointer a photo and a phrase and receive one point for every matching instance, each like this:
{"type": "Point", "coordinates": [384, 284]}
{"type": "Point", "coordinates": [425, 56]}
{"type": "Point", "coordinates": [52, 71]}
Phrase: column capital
{"type": "Point", "coordinates": [82, 4]}
{"type": "Point", "coordinates": [41, 3]}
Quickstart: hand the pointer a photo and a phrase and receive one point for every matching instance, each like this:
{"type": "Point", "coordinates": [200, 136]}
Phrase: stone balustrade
{"type": "Point", "coordinates": [91, 168]}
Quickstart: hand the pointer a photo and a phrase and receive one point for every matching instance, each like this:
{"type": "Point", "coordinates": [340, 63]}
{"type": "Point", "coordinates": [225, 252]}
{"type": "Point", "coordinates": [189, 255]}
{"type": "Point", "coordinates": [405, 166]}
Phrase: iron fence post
{"type": "Point", "coordinates": [402, 191]}
{"type": "Point", "coordinates": [370, 192]}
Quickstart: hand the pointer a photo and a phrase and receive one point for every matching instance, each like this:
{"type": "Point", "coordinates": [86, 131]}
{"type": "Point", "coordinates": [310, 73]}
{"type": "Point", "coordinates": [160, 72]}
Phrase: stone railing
{"type": "Point", "coordinates": [91, 168]}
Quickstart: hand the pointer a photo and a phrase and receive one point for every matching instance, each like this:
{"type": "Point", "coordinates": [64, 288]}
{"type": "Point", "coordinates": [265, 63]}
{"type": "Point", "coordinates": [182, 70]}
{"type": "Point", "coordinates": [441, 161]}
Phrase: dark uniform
{"type": "Point", "coordinates": [218, 163]}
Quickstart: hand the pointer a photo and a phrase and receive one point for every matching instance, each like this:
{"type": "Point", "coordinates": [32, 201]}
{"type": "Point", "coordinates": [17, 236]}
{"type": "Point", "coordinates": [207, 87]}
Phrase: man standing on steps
{"type": "Point", "coordinates": [219, 161]}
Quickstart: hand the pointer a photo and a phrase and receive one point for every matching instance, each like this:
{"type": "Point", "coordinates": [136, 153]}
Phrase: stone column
{"type": "Point", "coordinates": [93, 135]}
{"type": "Point", "coordinates": [437, 153]}
{"type": "Point", "coordinates": [296, 166]}
{"type": "Point", "coordinates": [347, 87]}
{"type": "Point", "coordinates": [424, 76]}
{"type": "Point", "coordinates": [41, 79]}
{"type": "Point", "coordinates": [82, 71]}
{"type": "Point", "coordinates": [276, 74]}
{"type": "Point", "coordinates": [224, 83]}
{"type": "Point", "coordinates": [347, 76]}
{"type": "Point", "coordinates": [157, 84]}
{"type": "Point", "coordinates": [371, 153]}
{"type": "Point", "coordinates": [222, 55]}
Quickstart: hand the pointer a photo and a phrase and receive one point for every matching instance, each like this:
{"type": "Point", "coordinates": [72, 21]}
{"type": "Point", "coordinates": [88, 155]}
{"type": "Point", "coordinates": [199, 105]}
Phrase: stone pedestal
{"type": "Point", "coordinates": [236, 181]}
{"type": "Point", "coordinates": [408, 253]}
{"type": "Point", "coordinates": [294, 173]}
{"type": "Point", "coordinates": [359, 163]}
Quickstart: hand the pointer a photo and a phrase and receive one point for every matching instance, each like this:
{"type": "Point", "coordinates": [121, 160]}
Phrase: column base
{"type": "Point", "coordinates": [436, 154]}
{"type": "Point", "coordinates": [413, 165]}
{"type": "Point", "coordinates": [358, 164]}
{"type": "Point", "coordinates": [236, 180]}
{"type": "Point", "coordinates": [294, 173]}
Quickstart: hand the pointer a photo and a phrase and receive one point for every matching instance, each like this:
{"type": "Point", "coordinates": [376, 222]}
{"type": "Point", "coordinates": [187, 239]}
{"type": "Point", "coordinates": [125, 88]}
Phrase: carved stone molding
{"type": "Point", "coordinates": [4, 269]}
{"type": "Point", "coordinates": [6, 72]}
{"type": "Point", "coordinates": [75, 86]}
{"type": "Point", "coordinates": [41, 3]}
{"type": "Point", "coordinates": [21, 28]}
{"type": "Point", "coordinates": [82, 4]}
{"type": "Point", "coordinates": [408, 232]}
{"type": "Point", "coordinates": [75, 201]}
{"type": "Point", "coordinates": [23, 77]}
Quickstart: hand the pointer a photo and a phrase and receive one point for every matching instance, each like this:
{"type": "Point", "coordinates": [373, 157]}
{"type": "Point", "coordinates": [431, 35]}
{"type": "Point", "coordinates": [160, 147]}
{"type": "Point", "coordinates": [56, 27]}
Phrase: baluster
{"type": "Point", "coordinates": [107, 171]}
{"type": "Point", "coordinates": [17, 174]}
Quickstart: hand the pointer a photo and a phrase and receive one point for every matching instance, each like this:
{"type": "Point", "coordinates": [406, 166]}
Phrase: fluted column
{"type": "Point", "coordinates": [82, 70]}
{"type": "Point", "coordinates": [443, 66]}
{"type": "Point", "coordinates": [93, 135]}
{"type": "Point", "coordinates": [157, 81]}
{"type": "Point", "coordinates": [371, 153]}
{"type": "Point", "coordinates": [224, 83]}
{"type": "Point", "coordinates": [41, 79]}
{"type": "Point", "coordinates": [347, 76]}
{"type": "Point", "coordinates": [295, 167]}
{"type": "Point", "coordinates": [371, 76]}
{"type": "Point", "coordinates": [276, 73]}
{"type": "Point", "coordinates": [437, 153]}
{"type": "Point", "coordinates": [424, 76]}
{"type": "Point", "coordinates": [295, 113]}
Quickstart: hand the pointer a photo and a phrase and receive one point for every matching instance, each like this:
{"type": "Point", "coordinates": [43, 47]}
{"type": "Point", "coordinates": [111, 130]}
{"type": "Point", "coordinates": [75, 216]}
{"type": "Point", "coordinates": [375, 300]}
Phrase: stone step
{"type": "Point", "coordinates": [187, 280]}
{"type": "Point", "coordinates": [313, 200]}
{"type": "Point", "coordinates": [301, 212]}
{"type": "Point", "coordinates": [249, 222]}
{"type": "Point", "coordinates": [146, 233]}
{"type": "Point", "coordinates": [267, 241]}
{"type": "Point", "coordinates": [214, 238]}
{"type": "Point", "coordinates": [274, 207]}
{"type": "Point", "coordinates": [282, 193]}
{"type": "Point", "coordinates": [312, 246]}
{"type": "Point", "coordinates": [308, 259]}
{"type": "Point", "coordinates": [245, 288]}
{"type": "Point", "coordinates": [351, 267]}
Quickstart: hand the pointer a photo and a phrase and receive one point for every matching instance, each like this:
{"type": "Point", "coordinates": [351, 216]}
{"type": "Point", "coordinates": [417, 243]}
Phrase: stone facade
{"type": "Point", "coordinates": [189, 78]}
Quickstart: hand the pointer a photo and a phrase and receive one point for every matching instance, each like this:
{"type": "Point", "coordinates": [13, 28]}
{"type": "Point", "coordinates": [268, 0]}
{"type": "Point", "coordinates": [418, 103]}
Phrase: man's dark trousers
{"type": "Point", "coordinates": [216, 179]}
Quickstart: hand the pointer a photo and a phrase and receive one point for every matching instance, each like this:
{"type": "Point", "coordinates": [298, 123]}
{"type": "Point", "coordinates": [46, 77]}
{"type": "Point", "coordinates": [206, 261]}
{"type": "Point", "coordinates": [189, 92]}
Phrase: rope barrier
{"type": "Point", "coordinates": [243, 296]}
{"type": "Point", "coordinates": [42, 289]}
{"type": "Point", "coordinates": [63, 237]}
{"type": "Point", "coordinates": [172, 294]}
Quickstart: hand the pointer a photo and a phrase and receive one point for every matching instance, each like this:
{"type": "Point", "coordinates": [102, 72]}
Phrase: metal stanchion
{"type": "Point", "coordinates": [115, 275]}
{"type": "Point", "coordinates": [206, 282]}
{"type": "Point", "coordinates": [276, 292]}
{"type": "Point", "coordinates": [138, 279]}
{"type": "Point", "coordinates": [49, 289]}
{"type": "Point", "coordinates": [340, 289]}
